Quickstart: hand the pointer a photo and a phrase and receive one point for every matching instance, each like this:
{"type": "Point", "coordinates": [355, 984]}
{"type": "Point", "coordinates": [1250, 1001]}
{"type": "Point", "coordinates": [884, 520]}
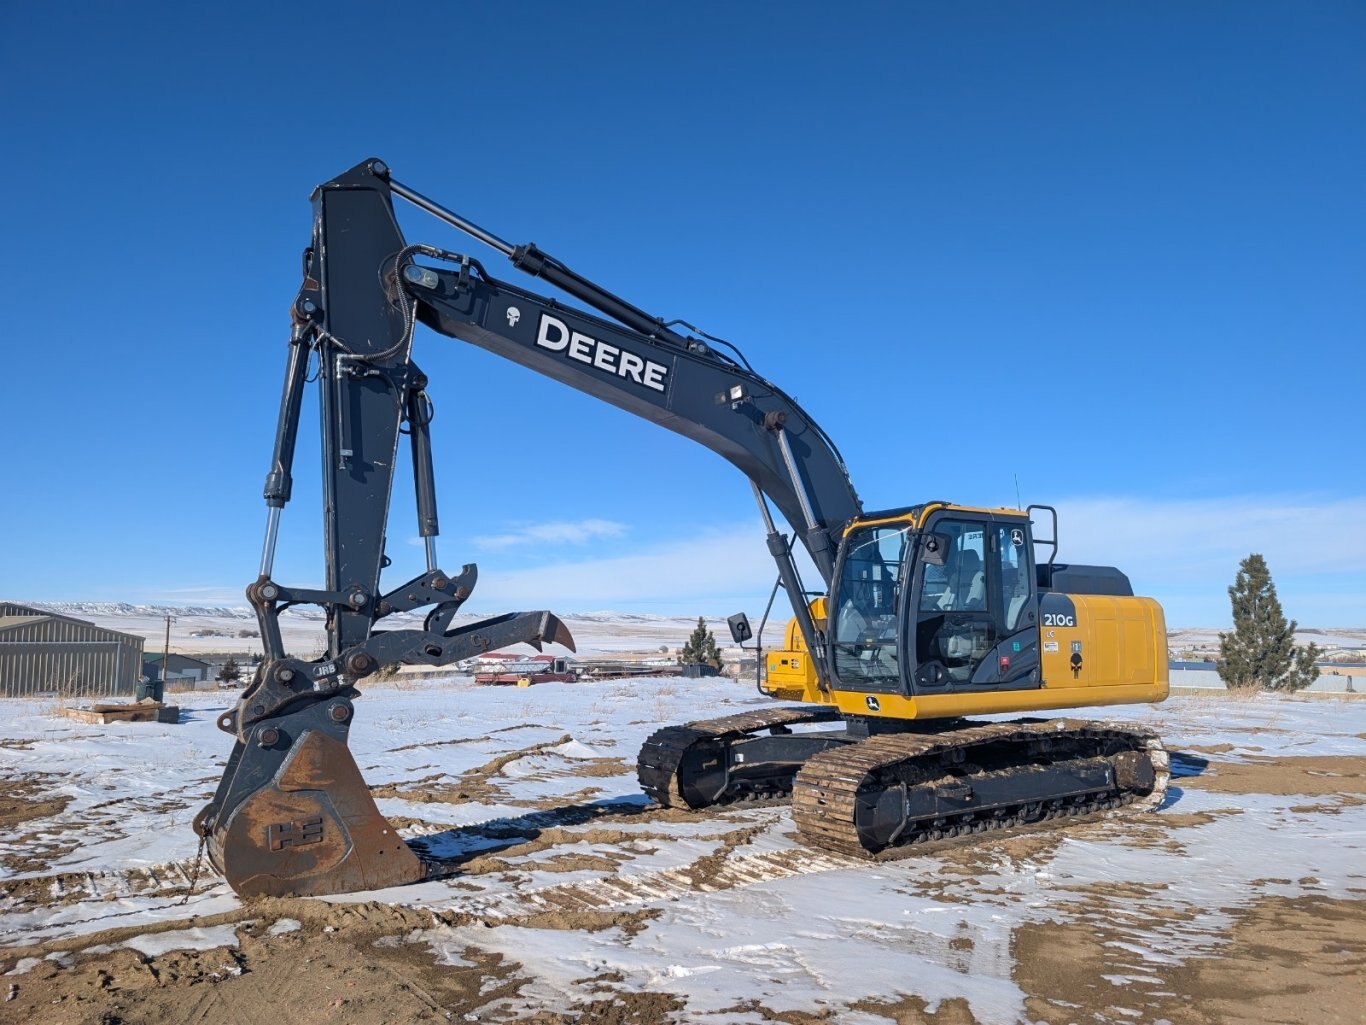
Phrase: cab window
{"type": "Point", "coordinates": [865, 629]}
{"type": "Point", "coordinates": [1012, 556]}
{"type": "Point", "coordinates": [954, 627]}
{"type": "Point", "coordinates": [959, 585]}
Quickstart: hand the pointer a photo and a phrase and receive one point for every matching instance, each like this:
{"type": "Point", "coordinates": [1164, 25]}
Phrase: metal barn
{"type": "Point", "coordinates": [41, 652]}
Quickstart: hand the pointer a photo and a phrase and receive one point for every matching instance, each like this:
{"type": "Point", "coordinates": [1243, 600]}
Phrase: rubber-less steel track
{"type": "Point", "coordinates": [881, 796]}
{"type": "Point", "coordinates": [667, 753]}
{"type": "Point", "coordinates": [835, 792]}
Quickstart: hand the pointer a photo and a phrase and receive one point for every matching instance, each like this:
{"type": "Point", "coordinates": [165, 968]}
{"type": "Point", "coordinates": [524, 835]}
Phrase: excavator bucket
{"type": "Point", "coordinates": [297, 817]}
{"type": "Point", "coordinates": [293, 816]}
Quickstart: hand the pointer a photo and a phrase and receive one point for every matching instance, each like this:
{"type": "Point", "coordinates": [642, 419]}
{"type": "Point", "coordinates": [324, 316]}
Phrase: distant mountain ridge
{"type": "Point", "coordinates": [82, 609]}
{"type": "Point", "coordinates": [606, 617]}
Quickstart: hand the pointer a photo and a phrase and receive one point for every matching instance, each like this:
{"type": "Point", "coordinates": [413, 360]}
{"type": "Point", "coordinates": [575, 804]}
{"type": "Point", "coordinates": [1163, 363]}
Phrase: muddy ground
{"type": "Point", "coordinates": [1292, 949]}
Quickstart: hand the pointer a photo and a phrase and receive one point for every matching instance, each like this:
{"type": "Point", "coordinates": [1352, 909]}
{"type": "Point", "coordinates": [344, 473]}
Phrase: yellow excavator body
{"type": "Point", "coordinates": [1125, 638]}
{"type": "Point", "coordinates": [1121, 641]}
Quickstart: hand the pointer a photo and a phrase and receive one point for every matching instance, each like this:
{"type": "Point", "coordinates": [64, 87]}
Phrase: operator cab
{"type": "Point", "coordinates": [933, 600]}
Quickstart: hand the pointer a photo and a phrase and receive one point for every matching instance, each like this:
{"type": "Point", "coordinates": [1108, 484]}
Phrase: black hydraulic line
{"type": "Point", "coordinates": [740, 356]}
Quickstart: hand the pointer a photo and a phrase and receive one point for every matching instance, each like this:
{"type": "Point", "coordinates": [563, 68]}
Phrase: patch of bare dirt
{"type": "Point", "coordinates": [1313, 775]}
{"type": "Point", "coordinates": [1331, 807]}
{"type": "Point", "coordinates": [710, 866]}
{"type": "Point", "coordinates": [623, 1008]}
{"type": "Point", "coordinates": [435, 743]}
{"type": "Point", "coordinates": [765, 1013]}
{"type": "Point", "coordinates": [597, 768]}
{"type": "Point", "coordinates": [29, 799]}
{"type": "Point", "coordinates": [477, 784]}
{"type": "Point", "coordinates": [346, 963]}
{"type": "Point", "coordinates": [304, 977]}
{"type": "Point", "coordinates": [1286, 961]}
{"type": "Point", "coordinates": [629, 922]}
{"type": "Point", "coordinates": [603, 861]}
{"type": "Point", "coordinates": [912, 1011]}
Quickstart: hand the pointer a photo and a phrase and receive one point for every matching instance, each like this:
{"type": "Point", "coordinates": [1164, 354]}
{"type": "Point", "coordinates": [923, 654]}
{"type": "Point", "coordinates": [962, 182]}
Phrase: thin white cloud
{"type": "Point", "coordinates": [717, 565]}
{"type": "Point", "coordinates": [563, 532]}
{"type": "Point", "coordinates": [1191, 538]}
{"type": "Point", "coordinates": [1185, 552]}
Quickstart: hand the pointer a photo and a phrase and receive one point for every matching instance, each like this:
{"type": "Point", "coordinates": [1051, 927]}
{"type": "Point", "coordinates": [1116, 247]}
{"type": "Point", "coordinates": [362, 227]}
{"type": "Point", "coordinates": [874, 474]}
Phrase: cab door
{"type": "Point", "coordinates": [973, 605]}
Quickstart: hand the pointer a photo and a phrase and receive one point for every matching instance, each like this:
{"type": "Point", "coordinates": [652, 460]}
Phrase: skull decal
{"type": "Point", "coordinates": [514, 315]}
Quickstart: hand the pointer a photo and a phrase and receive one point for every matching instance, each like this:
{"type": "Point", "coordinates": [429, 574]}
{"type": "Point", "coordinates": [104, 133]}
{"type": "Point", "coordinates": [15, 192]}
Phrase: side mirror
{"type": "Point", "coordinates": [739, 628]}
{"type": "Point", "coordinates": [934, 548]}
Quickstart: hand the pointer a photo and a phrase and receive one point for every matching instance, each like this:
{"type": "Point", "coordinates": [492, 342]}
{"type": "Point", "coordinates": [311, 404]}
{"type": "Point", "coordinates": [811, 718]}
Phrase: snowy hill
{"type": "Point", "coordinates": [196, 628]}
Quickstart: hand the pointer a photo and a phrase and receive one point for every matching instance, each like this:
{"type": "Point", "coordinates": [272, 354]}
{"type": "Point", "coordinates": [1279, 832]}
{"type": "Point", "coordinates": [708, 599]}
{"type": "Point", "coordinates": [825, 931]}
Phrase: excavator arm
{"type": "Point", "coordinates": [292, 813]}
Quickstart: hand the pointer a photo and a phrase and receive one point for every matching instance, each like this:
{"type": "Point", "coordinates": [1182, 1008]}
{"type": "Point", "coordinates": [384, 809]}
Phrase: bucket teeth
{"type": "Point", "coordinates": [555, 632]}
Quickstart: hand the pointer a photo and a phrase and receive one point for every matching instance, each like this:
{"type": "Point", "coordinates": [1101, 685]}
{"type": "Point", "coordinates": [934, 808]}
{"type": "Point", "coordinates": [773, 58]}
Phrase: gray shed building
{"type": "Point", "coordinates": [180, 669]}
{"type": "Point", "coordinates": [41, 652]}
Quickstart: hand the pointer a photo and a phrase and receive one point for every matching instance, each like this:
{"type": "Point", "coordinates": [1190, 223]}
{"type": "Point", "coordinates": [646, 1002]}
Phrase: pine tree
{"type": "Point", "coordinates": [701, 648]}
{"type": "Point", "coordinates": [231, 671]}
{"type": "Point", "coordinates": [1260, 653]}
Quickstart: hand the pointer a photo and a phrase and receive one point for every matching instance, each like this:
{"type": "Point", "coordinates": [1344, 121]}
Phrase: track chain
{"type": "Point", "coordinates": [663, 751]}
{"type": "Point", "coordinates": [827, 787]}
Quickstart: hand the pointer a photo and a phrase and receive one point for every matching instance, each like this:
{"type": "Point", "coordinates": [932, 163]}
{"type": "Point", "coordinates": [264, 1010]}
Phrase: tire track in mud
{"type": "Point", "coordinates": [728, 868]}
{"type": "Point", "coordinates": [621, 900]}
{"type": "Point", "coordinates": [467, 740]}
{"type": "Point", "coordinates": [473, 784]}
{"type": "Point", "coordinates": [67, 887]}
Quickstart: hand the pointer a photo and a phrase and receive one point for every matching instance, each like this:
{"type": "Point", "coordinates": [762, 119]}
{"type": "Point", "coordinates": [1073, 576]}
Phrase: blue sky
{"type": "Point", "coordinates": [1114, 252]}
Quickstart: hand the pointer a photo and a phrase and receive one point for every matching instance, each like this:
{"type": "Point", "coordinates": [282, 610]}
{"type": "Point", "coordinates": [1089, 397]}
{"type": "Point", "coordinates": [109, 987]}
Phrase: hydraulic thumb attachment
{"type": "Point", "coordinates": [293, 815]}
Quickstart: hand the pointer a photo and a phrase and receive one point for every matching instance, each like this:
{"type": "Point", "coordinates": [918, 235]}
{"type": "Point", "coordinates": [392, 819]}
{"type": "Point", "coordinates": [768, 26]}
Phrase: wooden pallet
{"type": "Point", "coordinates": [142, 711]}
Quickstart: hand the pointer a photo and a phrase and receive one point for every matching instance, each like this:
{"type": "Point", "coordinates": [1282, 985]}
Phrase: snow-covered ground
{"type": "Point", "coordinates": [726, 911]}
{"type": "Point", "coordinates": [216, 629]}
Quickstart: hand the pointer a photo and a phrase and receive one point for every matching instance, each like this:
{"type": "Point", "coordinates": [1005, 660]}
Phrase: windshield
{"type": "Point", "coordinates": [869, 586]}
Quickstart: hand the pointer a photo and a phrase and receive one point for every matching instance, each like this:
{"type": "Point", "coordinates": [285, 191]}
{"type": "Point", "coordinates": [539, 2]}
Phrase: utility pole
{"type": "Point", "coordinates": [159, 693]}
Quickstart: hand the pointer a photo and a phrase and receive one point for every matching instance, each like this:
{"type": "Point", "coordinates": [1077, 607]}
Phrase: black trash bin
{"type": "Point", "coordinates": [147, 689]}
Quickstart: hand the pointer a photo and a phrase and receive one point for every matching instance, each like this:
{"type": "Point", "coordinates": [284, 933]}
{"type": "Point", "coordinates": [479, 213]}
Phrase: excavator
{"type": "Point", "coordinates": [925, 615]}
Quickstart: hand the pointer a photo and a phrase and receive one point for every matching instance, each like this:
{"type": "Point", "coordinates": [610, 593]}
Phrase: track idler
{"type": "Point", "coordinates": [292, 815]}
